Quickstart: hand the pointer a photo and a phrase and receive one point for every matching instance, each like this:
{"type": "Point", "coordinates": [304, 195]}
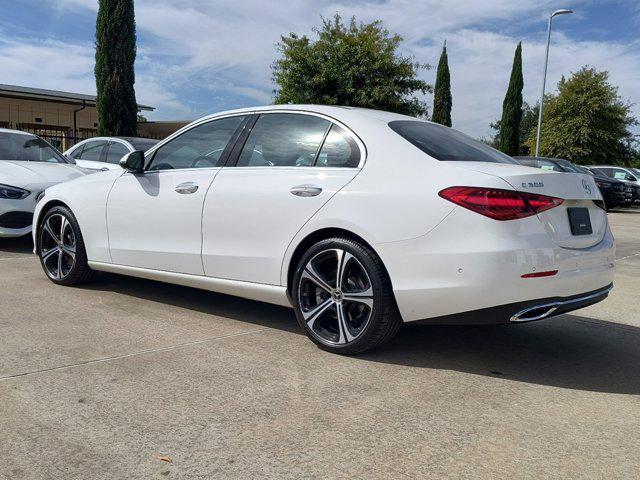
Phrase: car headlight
{"type": "Point", "coordinates": [13, 193]}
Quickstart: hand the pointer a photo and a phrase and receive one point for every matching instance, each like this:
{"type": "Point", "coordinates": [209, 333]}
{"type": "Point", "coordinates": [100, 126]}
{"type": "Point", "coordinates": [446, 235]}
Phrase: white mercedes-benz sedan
{"type": "Point", "coordinates": [359, 219]}
{"type": "Point", "coordinates": [28, 165]}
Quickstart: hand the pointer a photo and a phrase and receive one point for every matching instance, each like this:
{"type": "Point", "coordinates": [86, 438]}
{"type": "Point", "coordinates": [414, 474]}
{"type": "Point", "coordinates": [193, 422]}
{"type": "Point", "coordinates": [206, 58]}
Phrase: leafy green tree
{"type": "Point", "coordinates": [509, 137]}
{"type": "Point", "coordinates": [442, 101]}
{"type": "Point", "coordinates": [528, 125]}
{"type": "Point", "coordinates": [586, 121]}
{"type": "Point", "coordinates": [354, 65]}
{"type": "Point", "coordinates": [114, 69]}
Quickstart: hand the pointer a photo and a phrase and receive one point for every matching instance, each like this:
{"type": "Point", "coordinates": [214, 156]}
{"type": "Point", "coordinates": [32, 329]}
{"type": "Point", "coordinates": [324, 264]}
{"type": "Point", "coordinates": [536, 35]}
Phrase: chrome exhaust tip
{"type": "Point", "coordinates": [532, 314]}
{"type": "Point", "coordinates": [538, 312]}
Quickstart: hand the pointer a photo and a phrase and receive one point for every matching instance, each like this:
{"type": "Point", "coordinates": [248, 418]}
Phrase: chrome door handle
{"type": "Point", "coordinates": [305, 191]}
{"type": "Point", "coordinates": [187, 187]}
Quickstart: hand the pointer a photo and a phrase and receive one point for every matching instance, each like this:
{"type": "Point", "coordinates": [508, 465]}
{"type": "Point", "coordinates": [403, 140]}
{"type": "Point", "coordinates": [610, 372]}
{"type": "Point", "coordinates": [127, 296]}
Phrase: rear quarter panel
{"type": "Point", "coordinates": [395, 196]}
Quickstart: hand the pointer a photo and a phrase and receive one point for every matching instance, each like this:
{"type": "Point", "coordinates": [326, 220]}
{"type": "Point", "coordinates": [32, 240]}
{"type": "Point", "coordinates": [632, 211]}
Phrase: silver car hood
{"type": "Point", "coordinates": [29, 174]}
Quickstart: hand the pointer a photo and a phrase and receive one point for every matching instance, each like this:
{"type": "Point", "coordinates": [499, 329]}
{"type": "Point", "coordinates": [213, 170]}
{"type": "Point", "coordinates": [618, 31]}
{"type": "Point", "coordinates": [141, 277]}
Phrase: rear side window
{"type": "Point", "coordinates": [283, 140]}
{"type": "Point", "coordinates": [446, 144]}
{"type": "Point", "coordinates": [338, 150]}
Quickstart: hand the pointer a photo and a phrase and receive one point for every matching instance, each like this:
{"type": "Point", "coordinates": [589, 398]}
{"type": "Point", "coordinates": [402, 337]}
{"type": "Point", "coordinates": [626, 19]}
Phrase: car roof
{"type": "Point", "coordinates": [17, 132]}
{"type": "Point", "coordinates": [551, 159]}
{"type": "Point", "coordinates": [341, 113]}
{"type": "Point", "coordinates": [129, 139]}
{"type": "Point", "coordinates": [610, 166]}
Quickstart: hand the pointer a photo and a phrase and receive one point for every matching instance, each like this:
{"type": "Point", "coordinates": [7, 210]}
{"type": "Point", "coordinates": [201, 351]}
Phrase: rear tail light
{"type": "Point", "coordinates": [500, 204]}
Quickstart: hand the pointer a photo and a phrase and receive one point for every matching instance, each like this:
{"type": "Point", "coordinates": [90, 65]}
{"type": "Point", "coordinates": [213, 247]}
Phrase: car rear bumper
{"type": "Point", "coordinates": [522, 312]}
{"type": "Point", "coordinates": [462, 270]}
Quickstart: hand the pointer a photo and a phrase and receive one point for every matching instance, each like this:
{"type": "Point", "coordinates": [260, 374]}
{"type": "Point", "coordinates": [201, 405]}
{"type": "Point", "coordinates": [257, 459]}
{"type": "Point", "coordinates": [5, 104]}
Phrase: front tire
{"type": "Point", "coordinates": [61, 248]}
{"type": "Point", "coordinates": [343, 298]}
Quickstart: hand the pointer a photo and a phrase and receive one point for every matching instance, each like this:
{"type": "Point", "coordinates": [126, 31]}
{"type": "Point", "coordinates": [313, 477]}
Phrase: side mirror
{"type": "Point", "coordinates": [133, 161]}
{"type": "Point", "coordinates": [70, 159]}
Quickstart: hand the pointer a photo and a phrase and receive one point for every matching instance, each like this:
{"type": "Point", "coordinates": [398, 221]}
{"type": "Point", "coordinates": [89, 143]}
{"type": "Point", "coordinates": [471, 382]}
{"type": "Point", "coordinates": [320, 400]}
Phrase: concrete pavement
{"type": "Point", "coordinates": [106, 380]}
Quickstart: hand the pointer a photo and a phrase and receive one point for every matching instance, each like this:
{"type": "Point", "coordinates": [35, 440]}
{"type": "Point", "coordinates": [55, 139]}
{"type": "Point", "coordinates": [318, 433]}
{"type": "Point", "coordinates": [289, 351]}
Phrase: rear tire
{"type": "Point", "coordinates": [60, 247]}
{"type": "Point", "coordinates": [343, 298]}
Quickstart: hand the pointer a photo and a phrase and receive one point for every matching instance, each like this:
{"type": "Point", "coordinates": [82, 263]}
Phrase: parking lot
{"type": "Point", "coordinates": [128, 378]}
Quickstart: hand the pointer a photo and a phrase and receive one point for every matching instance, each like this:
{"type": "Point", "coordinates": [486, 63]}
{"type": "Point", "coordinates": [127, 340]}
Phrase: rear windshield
{"type": "Point", "coordinates": [568, 166]}
{"type": "Point", "coordinates": [446, 144]}
{"type": "Point", "coordinates": [27, 148]}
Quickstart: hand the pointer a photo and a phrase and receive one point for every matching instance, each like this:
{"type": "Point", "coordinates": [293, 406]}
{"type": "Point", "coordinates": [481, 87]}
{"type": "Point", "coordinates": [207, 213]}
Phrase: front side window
{"type": "Point", "coordinates": [92, 151]}
{"type": "Point", "coordinates": [116, 152]}
{"type": "Point", "coordinates": [27, 148]}
{"type": "Point", "coordinates": [199, 147]}
{"type": "Point", "coordinates": [283, 140]}
{"type": "Point", "coordinates": [447, 144]}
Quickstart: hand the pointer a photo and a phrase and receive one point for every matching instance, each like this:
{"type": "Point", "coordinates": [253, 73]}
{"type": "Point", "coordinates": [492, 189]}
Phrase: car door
{"type": "Point", "coordinates": [287, 166]}
{"type": "Point", "coordinates": [154, 218]}
{"type": "Point", "coordinates": [92, 154]}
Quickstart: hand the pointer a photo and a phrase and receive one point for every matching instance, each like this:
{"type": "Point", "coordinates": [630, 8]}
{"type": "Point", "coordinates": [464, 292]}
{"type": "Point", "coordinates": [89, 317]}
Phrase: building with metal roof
{"type": "Point", "coordinates": [63, 118]}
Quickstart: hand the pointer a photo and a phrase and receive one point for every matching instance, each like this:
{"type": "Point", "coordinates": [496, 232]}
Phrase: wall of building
{"type": "Point", "coordinates": [54, 114]}
{"type": "Point", "coordinates": [51, 120]}
{"type": "Point", "coordinates": [54, 121]}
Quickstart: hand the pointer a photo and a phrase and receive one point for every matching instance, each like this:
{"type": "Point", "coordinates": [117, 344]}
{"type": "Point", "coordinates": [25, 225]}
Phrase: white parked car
{"type": "Point", "coordinates": [104, 153]}
{"type": "Point", "coordinates": [359, 219]}
{"type": "Point", "coordinates": [28, 165]}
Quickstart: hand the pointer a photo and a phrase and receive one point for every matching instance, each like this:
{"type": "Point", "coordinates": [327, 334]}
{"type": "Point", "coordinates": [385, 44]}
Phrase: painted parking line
{"type": "Point", "coordinates": [628, 256]}
{"type": "Point", "coordinates": [133, 354]}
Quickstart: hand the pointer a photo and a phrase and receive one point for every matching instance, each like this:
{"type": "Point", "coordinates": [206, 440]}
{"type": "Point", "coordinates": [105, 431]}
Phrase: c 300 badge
{"type": "Point", "coordinates": [532, 184]}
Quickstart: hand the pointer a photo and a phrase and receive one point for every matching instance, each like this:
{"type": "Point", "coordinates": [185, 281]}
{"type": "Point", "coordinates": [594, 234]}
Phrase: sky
{"type": "Point", "coordinates": [197, 57]}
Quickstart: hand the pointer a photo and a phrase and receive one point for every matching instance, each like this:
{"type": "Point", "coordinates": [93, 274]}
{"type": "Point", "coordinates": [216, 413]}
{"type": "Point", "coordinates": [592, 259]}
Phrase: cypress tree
{"type": "Point", "coordinates": [114, 69]}
{"type": "Point", "coordinates": [509, 141]}
{"type": "Point", "coordinates": [442, 93]}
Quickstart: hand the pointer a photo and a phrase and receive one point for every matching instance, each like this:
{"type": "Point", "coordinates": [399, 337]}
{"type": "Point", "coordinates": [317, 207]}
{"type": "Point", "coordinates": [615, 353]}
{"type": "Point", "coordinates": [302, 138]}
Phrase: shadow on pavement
{"type": "Point", "coordinates": [570, 351]}
{"type": "Point", "coordinates": [625, 211]}
{"type": "Point", "coordinates": [203, 301]}
{"type": "Point", "coordinates": [567, 351]}
{"type": "Point", "coordinates": [16, 245]}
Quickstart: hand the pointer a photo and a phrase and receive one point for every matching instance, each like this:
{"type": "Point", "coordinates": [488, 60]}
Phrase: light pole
{"type": "Point", "coordinates": [544, 73]}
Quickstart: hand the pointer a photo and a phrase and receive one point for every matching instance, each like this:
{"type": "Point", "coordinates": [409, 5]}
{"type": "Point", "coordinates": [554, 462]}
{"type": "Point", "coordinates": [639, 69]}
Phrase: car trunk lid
{"type": "Point", "coordinates": [567, 224]}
